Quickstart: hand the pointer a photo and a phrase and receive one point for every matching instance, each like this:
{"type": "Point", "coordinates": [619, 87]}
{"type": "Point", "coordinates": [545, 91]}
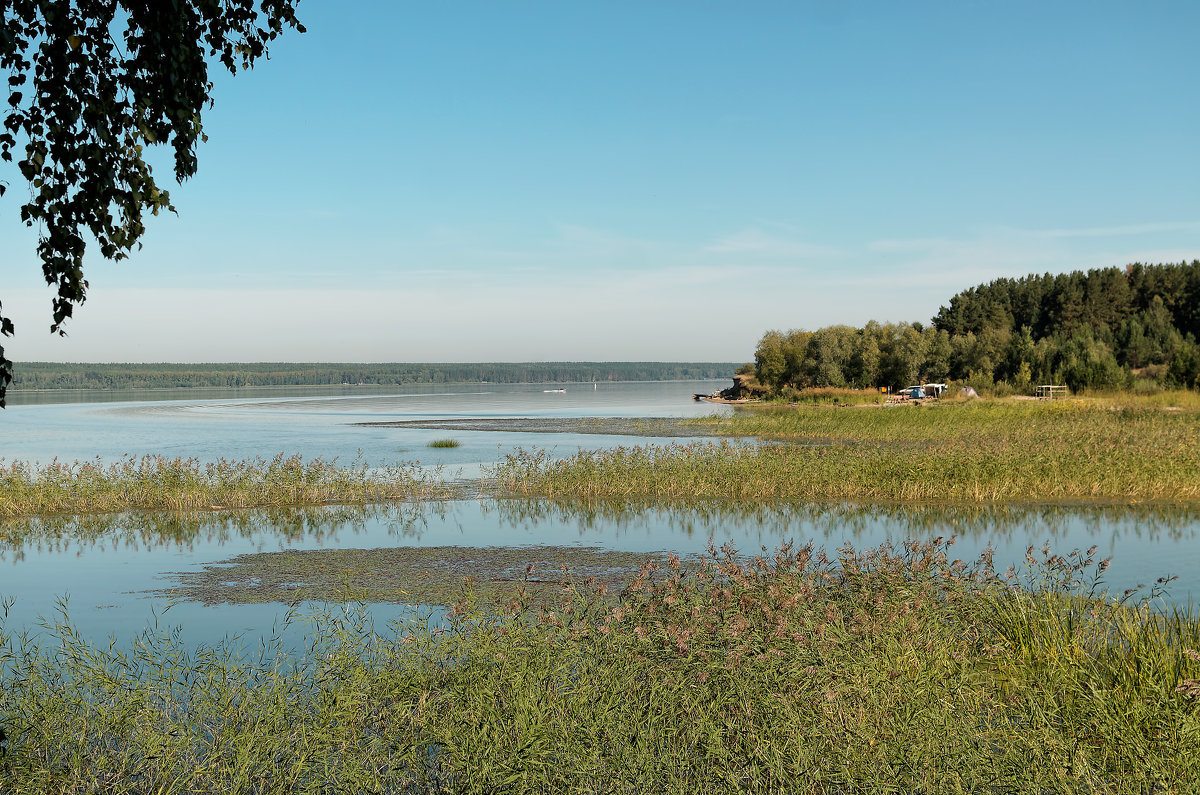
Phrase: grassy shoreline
{"type": "Point", "coordinates": [979, 451]}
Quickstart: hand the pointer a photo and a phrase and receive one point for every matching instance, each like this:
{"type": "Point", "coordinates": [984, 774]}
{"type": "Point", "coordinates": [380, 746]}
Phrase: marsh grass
{"type": "Point", "coordinates": [178, 484]}
{"type": "Point", "coordinates": [1171, 399]}
{"type": "Point", "coordinates": [978, 451]}
{"type": "Point", "coordinates": [444, 443]}
{"type": "Point", "coordinates": [831, 396]}
{"type": "Point", "coordinates": [865, 671]}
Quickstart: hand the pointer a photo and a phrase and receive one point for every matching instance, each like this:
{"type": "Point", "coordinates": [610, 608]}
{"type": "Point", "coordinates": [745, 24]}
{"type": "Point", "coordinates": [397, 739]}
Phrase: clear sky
{"type": "Point", "coordinates": [641, 180]}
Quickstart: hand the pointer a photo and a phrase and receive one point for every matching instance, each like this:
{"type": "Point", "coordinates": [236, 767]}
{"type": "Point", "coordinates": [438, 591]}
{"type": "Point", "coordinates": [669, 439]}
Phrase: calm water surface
{"type": "Point", "coordinates": [316, 422]}
{"type": "Point", "coordinates": [105, 569]}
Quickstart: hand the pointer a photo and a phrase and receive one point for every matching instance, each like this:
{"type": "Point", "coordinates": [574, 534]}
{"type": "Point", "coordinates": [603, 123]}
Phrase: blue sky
{"type": "Point", "coordinates": [464, 181]}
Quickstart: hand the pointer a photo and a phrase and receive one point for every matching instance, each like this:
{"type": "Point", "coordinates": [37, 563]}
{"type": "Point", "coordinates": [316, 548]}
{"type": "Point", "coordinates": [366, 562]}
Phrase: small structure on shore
{"type": "Point", "coordinates": [1051, 392]}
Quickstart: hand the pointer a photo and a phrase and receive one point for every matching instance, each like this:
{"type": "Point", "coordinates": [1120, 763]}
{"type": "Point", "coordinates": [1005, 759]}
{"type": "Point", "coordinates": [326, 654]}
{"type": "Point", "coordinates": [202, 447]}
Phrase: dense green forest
{"type": "Point", "coordinates": [54, 375]}
{"type": "Point", "coordinates": [1108, 328]}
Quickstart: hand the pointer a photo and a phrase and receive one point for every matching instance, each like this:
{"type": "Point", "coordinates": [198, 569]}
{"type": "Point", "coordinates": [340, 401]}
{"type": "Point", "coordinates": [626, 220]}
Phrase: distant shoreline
{"type": "Point", "coordinates": [351, 386]}
{"type": "Point", "coordinates": [32, 377]}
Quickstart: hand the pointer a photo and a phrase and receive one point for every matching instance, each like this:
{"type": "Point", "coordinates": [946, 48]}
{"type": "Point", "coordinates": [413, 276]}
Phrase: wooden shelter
{"type": "Point", "coordinates": [1051, 392]}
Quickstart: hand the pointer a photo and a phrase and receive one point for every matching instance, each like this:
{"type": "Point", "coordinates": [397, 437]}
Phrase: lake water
{"type": "Point", "coordinates": [106, 568]}
{"type": "Point", "coordinates": [314, 422]}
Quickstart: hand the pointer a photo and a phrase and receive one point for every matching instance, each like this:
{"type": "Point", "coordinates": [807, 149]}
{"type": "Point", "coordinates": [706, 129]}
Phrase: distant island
{"type": "Point", "coordinates": [160, 375]}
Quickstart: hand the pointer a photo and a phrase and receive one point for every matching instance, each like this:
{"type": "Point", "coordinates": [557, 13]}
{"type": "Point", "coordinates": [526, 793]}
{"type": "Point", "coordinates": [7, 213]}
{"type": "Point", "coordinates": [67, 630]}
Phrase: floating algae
{"type": "Point", "coordinates": [406, 575]}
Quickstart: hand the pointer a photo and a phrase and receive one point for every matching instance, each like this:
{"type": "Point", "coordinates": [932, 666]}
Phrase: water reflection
{"type": "Point", "coordinates": [142, 530]}
{"type": "Point", "coordinates": [1145, 541]}
{"type": "Point", "coordinates": [604, 522]}
{"type": "Point", "coordinates": [113, 565]}
{"type": "Point", "coordinates": [1146, 521]}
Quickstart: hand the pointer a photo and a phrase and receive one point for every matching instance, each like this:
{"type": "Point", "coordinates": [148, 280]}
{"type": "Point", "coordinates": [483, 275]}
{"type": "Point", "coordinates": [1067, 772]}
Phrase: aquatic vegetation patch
{"type": "Point", "coordinates": [444, 443]}
{"type": "Point", "coordinates": [407, 575]}
{"type": "Point", "coordinates": [896, 669]}
{"type": "Point", "coordinates": [987, 451]}
{"type": "Point", "coordinates": [161, 483]}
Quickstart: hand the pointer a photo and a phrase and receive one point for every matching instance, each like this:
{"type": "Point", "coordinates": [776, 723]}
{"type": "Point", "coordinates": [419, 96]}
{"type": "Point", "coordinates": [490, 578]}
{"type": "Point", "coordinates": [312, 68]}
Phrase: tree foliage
{"type": "Point", "coordinates": [91, 84]}
{"type": "Point", "coordinates": [1101, 328]}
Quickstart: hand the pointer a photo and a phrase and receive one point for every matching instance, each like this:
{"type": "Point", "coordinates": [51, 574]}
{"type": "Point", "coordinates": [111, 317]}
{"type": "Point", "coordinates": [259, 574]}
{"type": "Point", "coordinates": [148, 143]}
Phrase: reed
{"type": "Point", "coordinates": [867, 671]}
{"type": "Point", "coordinates": [829, 395]}
{"type": "Point", "coordinates": [981, 451]}
{"type": "Point", "coordinates": [178, 484]}
{"type": "Point", "coordinates": [444, 443]}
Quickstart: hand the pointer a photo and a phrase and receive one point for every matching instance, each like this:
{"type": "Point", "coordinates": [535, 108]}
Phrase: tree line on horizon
{"type": "Point", "coordinates": [1108, 328]}
{"type": "Point", "coordinates": [57, 375]}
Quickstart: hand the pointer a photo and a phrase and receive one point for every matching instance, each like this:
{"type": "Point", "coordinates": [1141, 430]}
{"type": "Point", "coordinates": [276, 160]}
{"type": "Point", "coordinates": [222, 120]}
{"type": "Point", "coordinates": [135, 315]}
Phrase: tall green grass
{"type": "Point", "coordinates": [159, 483]}
{"type": "Point", "coordinates": [830, 396]}
{"type": "Point", "coordinates": [876, 671]}
{"type": "Point", "coordinates": [977, 451]}
{"type": "Point", "coordinates": [1173, 399]}
{"type": "Point", "coordinates": [1082, 418]}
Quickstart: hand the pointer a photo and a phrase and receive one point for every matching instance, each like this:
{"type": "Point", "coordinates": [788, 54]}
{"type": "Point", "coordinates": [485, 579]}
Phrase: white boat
{"type": "Point", "coordinates": [554, 390]}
